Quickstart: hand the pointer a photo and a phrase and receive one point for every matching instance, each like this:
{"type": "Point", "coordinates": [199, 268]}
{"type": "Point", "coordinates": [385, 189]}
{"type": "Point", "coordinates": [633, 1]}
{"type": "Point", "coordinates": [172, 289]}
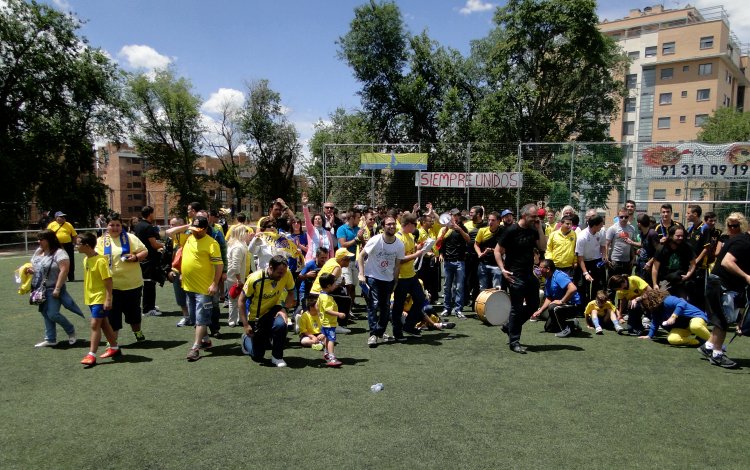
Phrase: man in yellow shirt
{"type": "Point", "coordinates": [66, 234]}
{"type": "Point", "coordinates": [263, 317]}
{"type": "Point", "coordinates": [201, 272]}
{"type": "Point", "coordinates": [561, 247]}
{"type": "Point", "coordinates": [408, 283]}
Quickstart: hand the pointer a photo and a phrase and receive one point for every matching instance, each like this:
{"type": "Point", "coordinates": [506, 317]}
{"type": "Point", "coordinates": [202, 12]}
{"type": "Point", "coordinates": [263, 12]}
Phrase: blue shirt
{"type": "Point", "coordinates": [348, 234]}
{"type": "Point", "coordinates": [303, 288]}
{"type": "Point", "coordinates": [679, 307]}
{"type": "Point", "coordinates": [557, 285]}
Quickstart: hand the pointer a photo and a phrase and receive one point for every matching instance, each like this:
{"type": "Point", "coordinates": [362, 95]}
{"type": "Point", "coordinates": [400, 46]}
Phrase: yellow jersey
{"type": "Point", "coordinates": [273, 291]}
{"type": "Point", "coordinates": [64, 232]}
{"type": "Point", "coordinates": [407, 269]}
{"type": "Point", "coordinates": [309, 324]}
{"type": "Point", "coordinates": [326, 304]}
{"type": "Point", "coordinates": [600, 310]}
{"type": "Point", "coordinates": [561, 249]}
{"type": "Point", "coordinates": [636, 287]}
{"type": "Point", "coordinates": [328, 267]}
{"type": "Point", "coordinates": [95, 271]}
{"type": "Point", "coordinates": [199, 260]}
{"type": "Point", "coordinates": [126, 275]}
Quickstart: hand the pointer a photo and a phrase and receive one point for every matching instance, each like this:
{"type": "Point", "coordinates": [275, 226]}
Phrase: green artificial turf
{"type": "Point", "coordinates": [459, 399]}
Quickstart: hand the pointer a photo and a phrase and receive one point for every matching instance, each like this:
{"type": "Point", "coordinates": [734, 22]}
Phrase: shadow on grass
{"type": "Point", "coordinates": [156, 344]}
{"type": "Point", "coordinates": [126, 357]}
{"type": "Point", "coordinates": [317, 362]}
{"type": "Point", "coordinates": [553, 347]}
{"type": "Point", "coordinates": [434, 339]}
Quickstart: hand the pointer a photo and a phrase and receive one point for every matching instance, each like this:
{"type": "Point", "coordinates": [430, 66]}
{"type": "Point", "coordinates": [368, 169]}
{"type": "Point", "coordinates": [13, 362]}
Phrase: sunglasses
{"type": "Point", "coordinates": [625, 217]}
{"type": "Point", "coordinates": [733, 225]}
{"type": "Point", "coordinates": [327, 207]}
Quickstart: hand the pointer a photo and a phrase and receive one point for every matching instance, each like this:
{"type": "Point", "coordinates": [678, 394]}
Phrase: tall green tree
{"type": "Point", "coordinates": [724, 126]}
{"type": "Point", "coordinates": [56, 95]}
{"type": "Point", "coordinates": [272, 144]}
{"type": "Point", "coordinates": [167, 132]}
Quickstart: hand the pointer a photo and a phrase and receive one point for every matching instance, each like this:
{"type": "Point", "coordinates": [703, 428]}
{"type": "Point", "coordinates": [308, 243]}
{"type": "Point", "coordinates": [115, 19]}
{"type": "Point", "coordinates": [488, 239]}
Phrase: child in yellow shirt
{"type": "Point", "coordinates": [600, 311]}
{"type": "Point", "coordinates": [329, 315]}
{"type": "Point", "coordinates": [310, 335]}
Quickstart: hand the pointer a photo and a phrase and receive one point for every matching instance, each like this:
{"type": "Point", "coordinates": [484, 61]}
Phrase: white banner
{"type": "Point", "coordinates": [468, 180]}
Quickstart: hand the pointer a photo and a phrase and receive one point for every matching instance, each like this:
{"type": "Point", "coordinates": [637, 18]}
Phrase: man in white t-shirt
{"type": "Point", "coordinates": [379, 265]}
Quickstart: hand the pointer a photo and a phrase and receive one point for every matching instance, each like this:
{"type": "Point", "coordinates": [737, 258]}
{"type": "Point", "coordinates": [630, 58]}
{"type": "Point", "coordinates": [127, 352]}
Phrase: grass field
{"type": "Point", "coordinates": [451, 400]}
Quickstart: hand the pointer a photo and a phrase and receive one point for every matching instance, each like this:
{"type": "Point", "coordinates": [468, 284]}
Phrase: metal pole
{"type": "Point", "coordinates": [325, 169]}
{"type": "Point", "coordinates": [166, 209]}
{"type": "Point", "coordinates": [625, 174]}
{"type": "Point", "coordinates": [372, 188]}
{"type": "Point", "coordinates": [419, 173]}
{"type": "Point", "coordinates": [468, 169]}
{"type": "Point", "coordinates": [26, 241]}
{"type": "Point", "coordinates": [519, 169]}
{"type": "Point", "coordinates": [747, 195]}
{"type": "Point", "coordinates": [570, 184]}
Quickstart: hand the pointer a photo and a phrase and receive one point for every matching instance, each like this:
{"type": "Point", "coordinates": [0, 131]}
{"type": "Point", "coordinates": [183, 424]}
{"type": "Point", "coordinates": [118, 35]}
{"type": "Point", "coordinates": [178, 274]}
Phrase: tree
{"type": "Point", "coordinates": [168, 133]}
{"type": "Point", "coordinates": [725, 126]}
{"type": "Point", "coordinates": [272, 144]}
{"type": "Point", "coordinates": [225, 139]}
{"type": "Point", "coordinates": [551, 75]}
{"type": "Point", "coordinates": [56, 94]}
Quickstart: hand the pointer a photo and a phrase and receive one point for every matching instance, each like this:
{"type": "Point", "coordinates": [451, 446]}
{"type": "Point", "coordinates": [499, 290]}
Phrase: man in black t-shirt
{"type": "Point", "coordinates": [148, 234]}
{"type": "Point", "coordinates": [674, 263]}
{"type": "Point", "coordinates": [517, 243]}
{"type": "Point", "coordinates": [731, 273]}
{"type": "Point", "coordinates": [453, 242]}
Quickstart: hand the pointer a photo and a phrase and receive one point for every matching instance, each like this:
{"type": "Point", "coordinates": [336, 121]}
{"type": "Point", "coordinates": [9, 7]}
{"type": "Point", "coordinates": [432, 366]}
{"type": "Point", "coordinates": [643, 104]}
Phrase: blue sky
{"type": "Point", "coordinates": [222, 44]}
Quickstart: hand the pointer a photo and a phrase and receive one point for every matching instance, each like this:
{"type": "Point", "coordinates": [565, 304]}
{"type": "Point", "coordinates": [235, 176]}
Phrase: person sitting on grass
{"type": "Point", "coordinates": [676, 315]}
{"type": "Point", "coordinates": [329, 315]}
{"type": "Point", "coordinates": [430, 320]}
{"type": "Point", "coordinates": [628, 293]}
{"type": "Point", "coordinates": [601, 311]}
{"type": "Point", "coordinates": [97, 294]}
{"type": "Point", "coordinates": [309, 326]}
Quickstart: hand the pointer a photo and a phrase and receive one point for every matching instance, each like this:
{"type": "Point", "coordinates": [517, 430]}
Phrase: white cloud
{"type": "Point", "coordinates": [475, 6]}
{"type": "Point", "coordinates": [144, 57]}
{"type": "Point", "coordinates": [62, 5]}
{"type": "Point", "coordinates": [215, 103]}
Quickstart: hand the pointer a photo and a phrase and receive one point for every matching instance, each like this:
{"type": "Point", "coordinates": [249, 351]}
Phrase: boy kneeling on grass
{"type": "Point", "coordinates": [676, 315]}
{"type": "Point", "coordinates": [601, 311]}
{"type": "Point", "coordinates": [97, 294]}
{"type": "Point", "coordinates": [329, 315]}
{"type": "Point", "coordinates": [309, 325]}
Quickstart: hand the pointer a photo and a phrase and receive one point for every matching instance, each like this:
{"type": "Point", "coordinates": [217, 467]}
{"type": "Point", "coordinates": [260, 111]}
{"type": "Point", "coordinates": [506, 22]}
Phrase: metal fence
{"type": "Point", "coordinates": [600, 175]}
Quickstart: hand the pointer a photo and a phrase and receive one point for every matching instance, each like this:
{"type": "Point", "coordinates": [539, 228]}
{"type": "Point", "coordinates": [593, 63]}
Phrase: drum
{"type": "Point", "coordinates": [493, 307]}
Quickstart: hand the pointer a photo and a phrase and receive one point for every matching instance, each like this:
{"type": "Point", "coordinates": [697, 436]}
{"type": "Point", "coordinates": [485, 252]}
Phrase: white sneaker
{"type": "Point", "coordinates": [372, 341]}
{"type": "Point", "coordinates": [296, 323]}
{"type": "Point", "coordinates": [72, 339]}
{"type": "Point", "coordinates": [386, 338]}
{"type": "Point", "coordinates": [232, 324]}
{"type": "Point", "coordinates": [278, 362]}
{"type": "Point", "coordinates": [342, 331]}
{"type": "Point", "coordinates": [44, 344]}
{"type": "Point", "coordinates": [599, 330]}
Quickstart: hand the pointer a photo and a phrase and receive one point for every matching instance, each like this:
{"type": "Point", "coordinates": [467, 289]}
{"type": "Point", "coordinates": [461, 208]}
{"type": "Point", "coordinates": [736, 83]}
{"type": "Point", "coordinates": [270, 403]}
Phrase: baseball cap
{"type": "Point", "coordinates": [60, 214]}
{"type": "Point", "coordinates": [200, 222]}
{"type": "Point", "coordinates": [455, 211]}
{"type": "Point", "coordinates": [506, 212]}
{"type": "Point", "coordinates": [342, 254]}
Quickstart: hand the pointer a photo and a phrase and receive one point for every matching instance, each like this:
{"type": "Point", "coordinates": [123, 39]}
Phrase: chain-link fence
{"type": "Point", "coordinates": [599, 175]}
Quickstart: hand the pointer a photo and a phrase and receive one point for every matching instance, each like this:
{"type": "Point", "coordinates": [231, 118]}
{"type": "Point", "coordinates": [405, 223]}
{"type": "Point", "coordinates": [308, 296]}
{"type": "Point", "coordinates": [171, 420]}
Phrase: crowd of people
{"type": "Point", "coordinates": [635, 276]}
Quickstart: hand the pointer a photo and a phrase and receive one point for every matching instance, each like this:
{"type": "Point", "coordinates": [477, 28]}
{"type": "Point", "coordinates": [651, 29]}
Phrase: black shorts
{"type": "Point", "coordinates": [128, 303]}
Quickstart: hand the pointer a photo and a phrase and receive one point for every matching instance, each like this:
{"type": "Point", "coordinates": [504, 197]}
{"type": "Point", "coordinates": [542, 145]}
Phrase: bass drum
{"type": "Point", "coordinates": [493, 307]}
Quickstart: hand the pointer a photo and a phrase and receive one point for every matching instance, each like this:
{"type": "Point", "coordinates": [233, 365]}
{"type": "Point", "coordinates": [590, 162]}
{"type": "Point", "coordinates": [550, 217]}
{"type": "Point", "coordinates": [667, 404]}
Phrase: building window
{"type": "Point", "coordinates": [700, 119]}
{"type": "Point", "coordinates": [665, 98]}
{"type": "Point", "coordinates": [684, 94]}
{"type": "Point", "coordinates": [660, 194]}
{"type": "Point", "coordinates": [696, 194]}
{"type": "Point", "coordinates": [130, 197]}
{"type": "Point", "coordinates": [129, 185]}
{"type": "Point", "coordinates": [728, 78]}
{"type": "Point", "coordinates": [650, 51]}
{"type": "Point", "coordinates": [703, 94]}
{"type": "Point", "coordinates": [677, 191]}
{"type": "Point", "coordinates": [683, 119]}
{"type": "Point", "coordinates": [667, 74]}
{"type": "Point", "coordinates": [137, 197]}
{"type": "Point", "coordinates": [727, 101]}
{"type": "Point", "coordinates": [705, 69]}
{"type": "Point", "coordinates": [667, 48]}
{"type": "Point", "coordinates": [707, 42]}
{"type": "Point", "coordinates": [664, 123]}
{"type": "Point", "coordinates": [135, 185]}
{"type": "Point", "coordinates": [136, 173]}
{"type": "Point", "coordinates": [629, 105]}
{"type": "Point", "coordinates": [634, 55]}
{"type": "Point", "coordinates": [628, 128]}
{"type": "Point", "coordinates": [631, 81]}
{"type": "Point", "coordinates": [686, 68]}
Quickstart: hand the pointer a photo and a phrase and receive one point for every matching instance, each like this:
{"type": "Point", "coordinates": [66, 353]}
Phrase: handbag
{"type": "Point", "coordinates": [38, 295]}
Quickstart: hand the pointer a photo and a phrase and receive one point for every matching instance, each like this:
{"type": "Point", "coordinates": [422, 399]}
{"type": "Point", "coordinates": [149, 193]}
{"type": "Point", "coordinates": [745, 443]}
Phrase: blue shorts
{"type": "Point", "coordinates": [97, 311]}
{"type": "Point", "coordinates": [329, 332]}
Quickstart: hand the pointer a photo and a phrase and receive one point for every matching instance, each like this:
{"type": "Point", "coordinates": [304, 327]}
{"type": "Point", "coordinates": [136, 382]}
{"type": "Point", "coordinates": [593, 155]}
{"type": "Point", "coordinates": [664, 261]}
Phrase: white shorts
{"type": "Point", "coordinates": [350, 274]}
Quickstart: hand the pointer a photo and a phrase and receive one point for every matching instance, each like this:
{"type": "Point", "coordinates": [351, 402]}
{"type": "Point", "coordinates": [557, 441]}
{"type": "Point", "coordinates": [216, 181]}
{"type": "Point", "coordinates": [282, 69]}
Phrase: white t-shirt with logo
{"type": "Point", "coordinates": [382, 257]}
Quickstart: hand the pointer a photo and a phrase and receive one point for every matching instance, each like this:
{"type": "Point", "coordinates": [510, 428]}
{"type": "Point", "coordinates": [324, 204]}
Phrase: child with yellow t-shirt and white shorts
{"type": "Point", "coordinates": [600, 311]}
{"type": "Point", "coordinates": [329, 315]}
{"type": "Point", "coordinates": [310, 335]}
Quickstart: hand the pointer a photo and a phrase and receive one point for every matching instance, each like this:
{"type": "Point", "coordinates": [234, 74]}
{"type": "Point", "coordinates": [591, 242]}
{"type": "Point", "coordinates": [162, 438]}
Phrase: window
{"type": "Point", "coordinates": [667, 48]}
{"type": "Point", "coordinates": [137, 197]}
{"type": "Point", "coordinates": [728, 78]}
{"type": "Point", "coordinates": [667, 74]}
{"type": "Point", "coordinates": [703, 94]}
{"type": "Point", "coordinates": [707, 42]}
{"type": "Point", "coordinates": [700, 119]}
{"type": "Point", "coordinates": [650, 51]}
{"type": "Point", "coordinates": [684, 94]}
{"type": "Point", "coordinates": [630, 105]}
{"type": "Point", "coordinates": [664, 123]}
{"type": "Point", "coordinates": [130, 197]}
{"type": "Point", "coordinates": [628, 128]}
{"type": "Point", "coordinates": [660, 194]}
{"type": "Point", "coordinates": [705, 69]}
{"type": "Point", "coordinates": [136, 173]}
{"type": "Point", "coordinates": [683, 119]}
{"type": "Point", "coordinates": [727, 101]}
{"type": "Point", "coordinates": [631, 80]}
{"type": "Point", "coordinates": [677, 191]}
{"type": "Point", "coordinates": [135, 185]}
{"type": "Point", "coordinates": [634, 55]}
{"type": "Point", "coordinates": [665, 98]}
{"type": "Point", "coordinates": [129, 185]}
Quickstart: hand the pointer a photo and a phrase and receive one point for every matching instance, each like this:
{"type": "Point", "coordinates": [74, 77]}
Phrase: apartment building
{"type": "Point", "coordinates": [685, 64]}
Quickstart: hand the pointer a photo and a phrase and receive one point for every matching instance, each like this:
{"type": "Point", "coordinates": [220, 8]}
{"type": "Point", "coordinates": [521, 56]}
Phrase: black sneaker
{"type": "Point", "coordinates": [707, 353]}
{"type": "Point", "coordinates": [722, 361]}
{"type": "Point", "coordinates": [412, 331]}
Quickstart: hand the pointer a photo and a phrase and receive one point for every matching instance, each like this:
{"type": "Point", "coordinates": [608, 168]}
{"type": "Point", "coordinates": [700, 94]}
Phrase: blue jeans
{"type": "Point", "coordinates": [270, 330]}
{"type": "Point", "coordinates": [489, 276]}
{"type": "Point", "coordinates": [524, 288]}
{"type": "Point", "coordinates": [50, 311]}
{"type": "Point", "coordinates": [454, 283]}
{"type": "Point", "coordinates": [403, 288]}
{"type": "Point", "coordinates": [378, 305]}
{"type": "Point", "coordinates": [200, 308]}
